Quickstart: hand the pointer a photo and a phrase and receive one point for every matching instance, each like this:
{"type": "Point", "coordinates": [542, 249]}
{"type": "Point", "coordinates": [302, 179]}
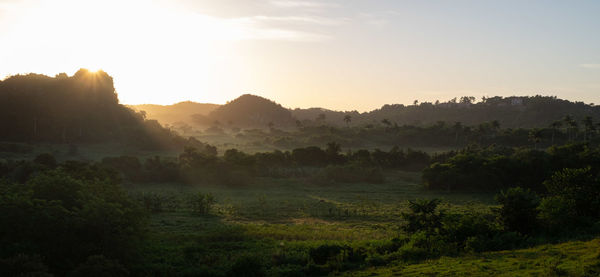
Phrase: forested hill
{"type": "Point", "coordinates": [510, 112]}
{"type": "Point", "coordinates": [513, 112]}
{"type": "Point", "coordinates": [248, 111]}
{"type": "Point", "coordinates": [73, 109]}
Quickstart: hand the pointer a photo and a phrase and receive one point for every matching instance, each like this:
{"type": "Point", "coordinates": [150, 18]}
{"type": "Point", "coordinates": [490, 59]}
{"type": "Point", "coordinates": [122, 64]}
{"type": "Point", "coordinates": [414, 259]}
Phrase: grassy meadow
{"type": "Point", "coordinates": [281, 218]}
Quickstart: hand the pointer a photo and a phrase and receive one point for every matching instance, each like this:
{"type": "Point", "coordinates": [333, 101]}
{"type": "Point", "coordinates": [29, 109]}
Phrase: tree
{"type": "Point", "coordinates": [423, 216]}
{"type": "Point", "coordinates": [579, 185]}
{"type": "Point", "coordinates": [572, 127]}
{"type": "Point", "coordinates": [535, 136]}
{"type": "Point", "coordinates": [347, 119]}
{"type": "Point", "coordinates": [555, 126]}
{"type": "Point", "coordinates": [457, 128]}
{"type": "Point", "coordinates": [589, 127]}
{"type": "Point", "coordinates": [519, 209]}
{"type": "Point", "coordinates": [387, 123]}
{"type": "Point", "coordinates": [321, 117]}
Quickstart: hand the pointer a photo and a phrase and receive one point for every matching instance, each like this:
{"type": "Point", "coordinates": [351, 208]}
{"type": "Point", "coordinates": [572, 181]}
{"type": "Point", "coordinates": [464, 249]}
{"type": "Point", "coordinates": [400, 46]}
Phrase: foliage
{"type": "Point", "coordinates": [423, 216]}
{"type": "Point", "coordinates": [201, 203]}
{"type": "Point", "coordinates": [519, 210]}
{"type": "Point", "coordinates": [65, 219]}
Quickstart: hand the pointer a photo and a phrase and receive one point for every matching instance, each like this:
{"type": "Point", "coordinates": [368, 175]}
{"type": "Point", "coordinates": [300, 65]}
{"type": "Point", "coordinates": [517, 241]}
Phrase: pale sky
{"type": "Point", "coordinates": [344, 55]}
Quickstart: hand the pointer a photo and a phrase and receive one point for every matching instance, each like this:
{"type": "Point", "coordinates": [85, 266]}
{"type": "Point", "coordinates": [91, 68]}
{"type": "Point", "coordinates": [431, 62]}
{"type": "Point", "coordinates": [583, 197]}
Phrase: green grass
{"type": "Point", "coordinates": [564, 259]}
{"type": "Point", "coordinates": [274, 216]}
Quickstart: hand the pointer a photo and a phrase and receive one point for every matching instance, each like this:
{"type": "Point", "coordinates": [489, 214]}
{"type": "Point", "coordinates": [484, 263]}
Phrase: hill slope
{"type": "Point", "coordinates": [179, 112]}
{"type": "Point", "coordinates": [73, 109]}
{"type": "Point", "coordinates": [249, 111]}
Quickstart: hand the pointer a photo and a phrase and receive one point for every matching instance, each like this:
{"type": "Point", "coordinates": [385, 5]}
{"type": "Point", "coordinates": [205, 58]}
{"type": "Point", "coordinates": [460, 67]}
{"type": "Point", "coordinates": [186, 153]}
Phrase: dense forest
{"type": "Point", "coordinates": [82, 108]}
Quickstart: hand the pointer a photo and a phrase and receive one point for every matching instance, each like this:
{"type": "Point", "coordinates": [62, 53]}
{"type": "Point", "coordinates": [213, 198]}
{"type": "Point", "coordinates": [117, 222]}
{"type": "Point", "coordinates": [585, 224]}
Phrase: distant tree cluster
{"type": "Point", "coordinates": [496, 168]}
{"type": "Point", "coordinates": [202, 165]}
{"type": "Point", "coordinates": [512, 112]}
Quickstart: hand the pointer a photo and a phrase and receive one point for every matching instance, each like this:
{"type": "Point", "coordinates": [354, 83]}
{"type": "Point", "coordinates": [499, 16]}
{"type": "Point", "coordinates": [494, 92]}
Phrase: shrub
{"type": "Point", "coordinates": [324, 253]}
{"type": "Point", "coordinates": [249, 266]}
{"type": "Point", "coordinates": [201, 203]}
{"type": "Point", "coordinates": [577, 185]}
{"type": "Point", "coordinates": [557, 213]}
{"type": "Point", "coordinates": [423, 216]}
{"type": "Point", "coordinates": [152, 202]}
{"type": "Point", "coordinates": [519, 210]}
{"type": "Point", "coordinates": [46, 160]}
{"type": "Point", "coordinates": [23, 265]}
{"type": "Point", "coordinates": [99, 266]}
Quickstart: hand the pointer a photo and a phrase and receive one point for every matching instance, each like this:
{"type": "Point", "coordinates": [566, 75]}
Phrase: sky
{"type": "Point", "coordinates": [343, 55]}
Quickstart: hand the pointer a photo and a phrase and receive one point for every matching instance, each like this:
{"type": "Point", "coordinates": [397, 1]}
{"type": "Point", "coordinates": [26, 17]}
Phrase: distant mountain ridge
{"type": "Point", "coordinates": [511, 112]}
{"type": "Point", "coordinates": [179, 112]}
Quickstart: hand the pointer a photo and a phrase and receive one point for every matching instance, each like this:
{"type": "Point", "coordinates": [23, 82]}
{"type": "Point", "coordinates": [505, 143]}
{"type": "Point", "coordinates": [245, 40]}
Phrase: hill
{"type": "Point", "coordinates": [248, 111]}
{"type": "Point", "coordinates": [177, 113]}
{"type": "Point", "coordinates": [254, 111]}
{"type": "Point", "coordinates": [82, 108]}
{"type": "Point", "coordinates": [510, 112]}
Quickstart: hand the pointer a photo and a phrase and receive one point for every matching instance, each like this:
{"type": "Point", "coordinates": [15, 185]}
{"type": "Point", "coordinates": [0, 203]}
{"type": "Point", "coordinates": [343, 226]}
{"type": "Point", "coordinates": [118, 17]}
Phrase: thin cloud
{"type": "Point", "coordinates": [253, 28]}
{"type": "Point", "coordinates": [302, 4]}
{"type": "Point", "coordinates": [590, 65]}
{"type": "Point", "coordinates": [301, 19]}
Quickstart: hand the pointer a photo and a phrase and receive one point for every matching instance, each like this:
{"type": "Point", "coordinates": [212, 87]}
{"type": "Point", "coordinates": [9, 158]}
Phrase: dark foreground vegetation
{"type": "Point", "coordinates": [85, 218]}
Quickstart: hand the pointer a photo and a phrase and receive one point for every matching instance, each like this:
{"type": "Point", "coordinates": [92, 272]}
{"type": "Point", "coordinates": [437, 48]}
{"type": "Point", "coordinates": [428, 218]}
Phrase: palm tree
{"type": "Point", "coordinates": [555, 125]}
{"type": "Point", "coordinates": [457, 128]}
{"type": "Point", "coordinates": [535, 136]}
{"type": "Point", "coordinates": [569, 122]}
{"type": "Point", "coordinates": [588, 124]}
{"type": "Point", "coordinates": [347, 119]}
{"type": "Point", "coordinates": [495, 127]}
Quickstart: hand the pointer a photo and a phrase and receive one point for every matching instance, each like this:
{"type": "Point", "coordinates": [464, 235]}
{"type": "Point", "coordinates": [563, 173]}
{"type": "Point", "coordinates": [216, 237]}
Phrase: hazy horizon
{"type": "Point", "coordinates": [339, 55]}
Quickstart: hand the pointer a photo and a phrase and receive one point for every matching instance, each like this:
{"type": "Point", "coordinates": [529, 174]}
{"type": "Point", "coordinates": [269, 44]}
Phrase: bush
{"type": "Point", "coordinates": [322, 254]}
{"type": "Point", "coordinates": [519, 210]}
{"type": "Point", "coordinates": [557, 213]}
{"type": "Point", "coordinates": [423, 216]}
{"type": "Point", "coordinates": [248, 266]}
{"type": "Point", "coordinates": [152, 202]}
{"type": "Point", "coordinates": [579, 186]}
{"type": "Point", "coordinates": [201, 203]}
{"type": "Point", "coordinates": [99, 266]}
{"type": "Point", "coordinates": [46, 160]}
{"type": "Point", "coordinates": [23, 265]}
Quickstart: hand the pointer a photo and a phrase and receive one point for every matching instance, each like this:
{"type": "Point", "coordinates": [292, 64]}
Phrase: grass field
{"type": "Point", "coordinates": [281, 216]}
{"type": "Point", "coordinates": [564, 259]}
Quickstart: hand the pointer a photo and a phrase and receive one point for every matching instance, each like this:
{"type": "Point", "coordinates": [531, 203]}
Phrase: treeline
{"type": "Point", "coordinates": [234, 167]}
{"type": "Point", "coordinates": [513, 112]}
{"type": "Point", "coordinates": [82, 108]}
{"type": "Point", "coordinates": [495, 168]}
{"type": "Point", "coordinates": [439, 134]}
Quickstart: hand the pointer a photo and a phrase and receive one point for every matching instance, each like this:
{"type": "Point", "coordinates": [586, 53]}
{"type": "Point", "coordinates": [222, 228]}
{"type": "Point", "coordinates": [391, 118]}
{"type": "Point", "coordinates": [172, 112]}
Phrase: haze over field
{"type": "Point", "coordinates": [342, 55]}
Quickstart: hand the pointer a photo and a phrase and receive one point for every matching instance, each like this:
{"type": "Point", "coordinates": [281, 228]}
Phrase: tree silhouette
{"type": "Point", "coordinates": [589, 127]}
{"type": "Point", "coordinates": [535, 136]}
{"type": "Point", "coordinates": [347, 119]}
{"type": "Point", "coordinates": [555, 126]}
